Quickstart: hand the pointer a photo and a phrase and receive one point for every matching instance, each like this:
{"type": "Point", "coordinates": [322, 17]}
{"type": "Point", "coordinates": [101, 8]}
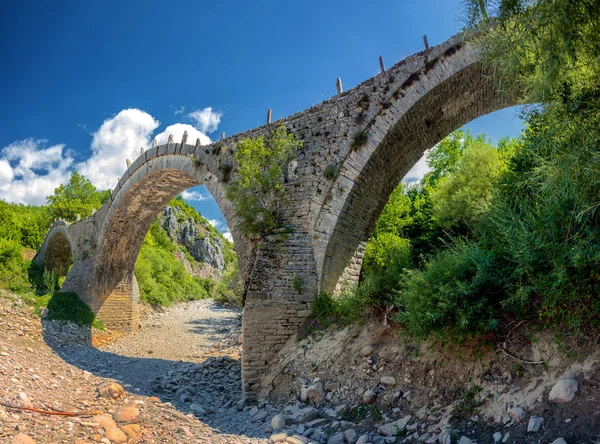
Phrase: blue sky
{"type": "Point", "coordinates": [84, 84]}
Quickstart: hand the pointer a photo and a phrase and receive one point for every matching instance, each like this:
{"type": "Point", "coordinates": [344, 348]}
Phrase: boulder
{"type": "Point", "coordinates": [350, 436]}
{"type": "Point", "coordinates": [368, 350]}
{"type": "Point", "coordinates": [559, 441]}
{"type": "Point", "coordinates": [304, 415]}
{"type": "Point", "coordinates": [22, 438]}
{"type": "Point", "coordinates": [116, 435]}
{"type": "Point", "coordinates": [563, 391]}
{"type": "Point", "coordinates": [388, 381]}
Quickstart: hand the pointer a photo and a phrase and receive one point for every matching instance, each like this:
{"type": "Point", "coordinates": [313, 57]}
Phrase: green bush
{"type": "Point", "coordinates": [455, 296]}
{"type": "Point", "coordinates": [230, 288]}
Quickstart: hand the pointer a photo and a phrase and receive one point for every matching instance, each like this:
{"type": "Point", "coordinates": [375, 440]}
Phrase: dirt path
{"type": "Point", "coordinates": [187, 356]}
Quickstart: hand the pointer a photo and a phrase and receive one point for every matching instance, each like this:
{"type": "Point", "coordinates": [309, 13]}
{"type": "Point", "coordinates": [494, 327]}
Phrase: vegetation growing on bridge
{"type": "Point", "coordinates": [507, 232]}
{"type": "Point", "coordinates": [259, 194]}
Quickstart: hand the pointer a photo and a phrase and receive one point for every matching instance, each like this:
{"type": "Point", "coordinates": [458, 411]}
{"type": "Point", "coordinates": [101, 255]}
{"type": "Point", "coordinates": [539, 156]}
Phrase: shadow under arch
{"type": "Point", "coordinates": [450, 104]}
{"type": "Point", "coordinates": [58, 253]}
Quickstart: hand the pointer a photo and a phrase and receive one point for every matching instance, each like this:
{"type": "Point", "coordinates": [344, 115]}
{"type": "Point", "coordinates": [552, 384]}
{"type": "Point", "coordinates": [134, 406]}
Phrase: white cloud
{"type": "Point", "coordinates": [117, 139]}
{"type": "Point", "coordinates": [417, 172]}
{"type": "Point", "coordinates": [214, 222]}
{"type": "Point", "coordinates": [194, 196]}
{"type": "Point", "coordinates": [206, 119]}
{"type": "Point", "coordinates": [6, 172]}
{"type": "Point", "coordinates": [227, 235]}
{"type": "Point", "coordinates": [181, 110]}
{"type": "Point", "coordinates": [177, 130]}
{"type": "Point", "coordinates": [29, 172]}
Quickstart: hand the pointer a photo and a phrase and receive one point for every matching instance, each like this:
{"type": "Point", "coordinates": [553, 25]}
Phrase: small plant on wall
{"type": "Point", "coordinates": [359, 140]}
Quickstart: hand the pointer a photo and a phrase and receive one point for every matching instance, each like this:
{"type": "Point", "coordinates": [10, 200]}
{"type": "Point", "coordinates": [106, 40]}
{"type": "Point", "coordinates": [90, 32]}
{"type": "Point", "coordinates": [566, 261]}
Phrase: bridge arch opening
{"type": "Point", "coordinates": [463, 97]}
{"type": "Point", "coordinates": [142, 194]}
{"type": "Point", "coordinates": [58, 256]}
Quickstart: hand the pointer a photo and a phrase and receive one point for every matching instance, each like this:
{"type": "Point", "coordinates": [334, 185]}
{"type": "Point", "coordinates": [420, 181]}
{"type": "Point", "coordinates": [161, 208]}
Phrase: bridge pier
{"type": "Point", "coordinates": [120, 310]}
{"type": "Point", "coordinates": [281, 288]}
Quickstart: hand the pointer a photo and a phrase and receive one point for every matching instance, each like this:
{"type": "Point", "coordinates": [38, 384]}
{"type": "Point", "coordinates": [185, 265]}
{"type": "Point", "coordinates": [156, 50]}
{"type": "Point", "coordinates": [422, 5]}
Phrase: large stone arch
{"type": "Point", "coordinates": [145, 189]}
{"type": "Point", "coordinates": [440, 97]}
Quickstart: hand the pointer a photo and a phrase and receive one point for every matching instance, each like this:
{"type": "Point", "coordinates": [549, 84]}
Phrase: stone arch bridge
{"type": "Point", "coordinates": [368, 137]}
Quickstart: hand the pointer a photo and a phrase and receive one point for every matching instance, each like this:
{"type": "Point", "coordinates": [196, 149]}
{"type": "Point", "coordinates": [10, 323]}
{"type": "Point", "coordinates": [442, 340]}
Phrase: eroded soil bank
{"type": "Point", "coordinates": [181, 377]}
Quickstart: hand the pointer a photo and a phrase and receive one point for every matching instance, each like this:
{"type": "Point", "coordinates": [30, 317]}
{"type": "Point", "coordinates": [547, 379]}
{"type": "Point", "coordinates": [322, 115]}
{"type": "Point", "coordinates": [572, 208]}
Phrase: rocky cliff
{"type": "Point", "coordinates": [203, 252]}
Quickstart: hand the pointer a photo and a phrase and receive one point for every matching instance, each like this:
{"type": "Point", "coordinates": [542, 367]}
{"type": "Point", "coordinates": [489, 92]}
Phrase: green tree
{"type": "Point", "coordinates": [78, 196]}
{"type": "Point", "coordinates": [539, 50]}
{"type": "Point", "coordinates": [463, 196]}
{"type": "Point", "coordinates": [259, 193]}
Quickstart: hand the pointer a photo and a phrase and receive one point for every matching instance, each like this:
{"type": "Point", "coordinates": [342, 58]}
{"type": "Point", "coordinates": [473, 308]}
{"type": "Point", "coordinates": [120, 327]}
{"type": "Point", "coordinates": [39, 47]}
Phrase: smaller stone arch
{"type": "Point", "coordinates": [57, 251]}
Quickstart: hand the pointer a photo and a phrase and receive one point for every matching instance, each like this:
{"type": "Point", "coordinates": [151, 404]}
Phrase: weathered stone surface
{"type": "Point", "coordinates": [563, 391]}
{"type": "Point", "coordinates": [559, 441]}
{"type": "Point", "coordinates": [201, 244]}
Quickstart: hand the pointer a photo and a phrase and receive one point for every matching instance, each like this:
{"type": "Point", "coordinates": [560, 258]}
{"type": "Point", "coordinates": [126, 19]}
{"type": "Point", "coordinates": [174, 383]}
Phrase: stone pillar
{"type": "Point", "coordinates": [281, 288]}
{"type": "Point", "coordinates": [120, 311]}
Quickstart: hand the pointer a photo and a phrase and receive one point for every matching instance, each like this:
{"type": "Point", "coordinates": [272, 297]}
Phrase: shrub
{"type": "Point", "coordinates": [49, 282]}
{"type": "Point", "coordinates": [230, 289]}
{"type": "Point", "coordinates": [455, 296]}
